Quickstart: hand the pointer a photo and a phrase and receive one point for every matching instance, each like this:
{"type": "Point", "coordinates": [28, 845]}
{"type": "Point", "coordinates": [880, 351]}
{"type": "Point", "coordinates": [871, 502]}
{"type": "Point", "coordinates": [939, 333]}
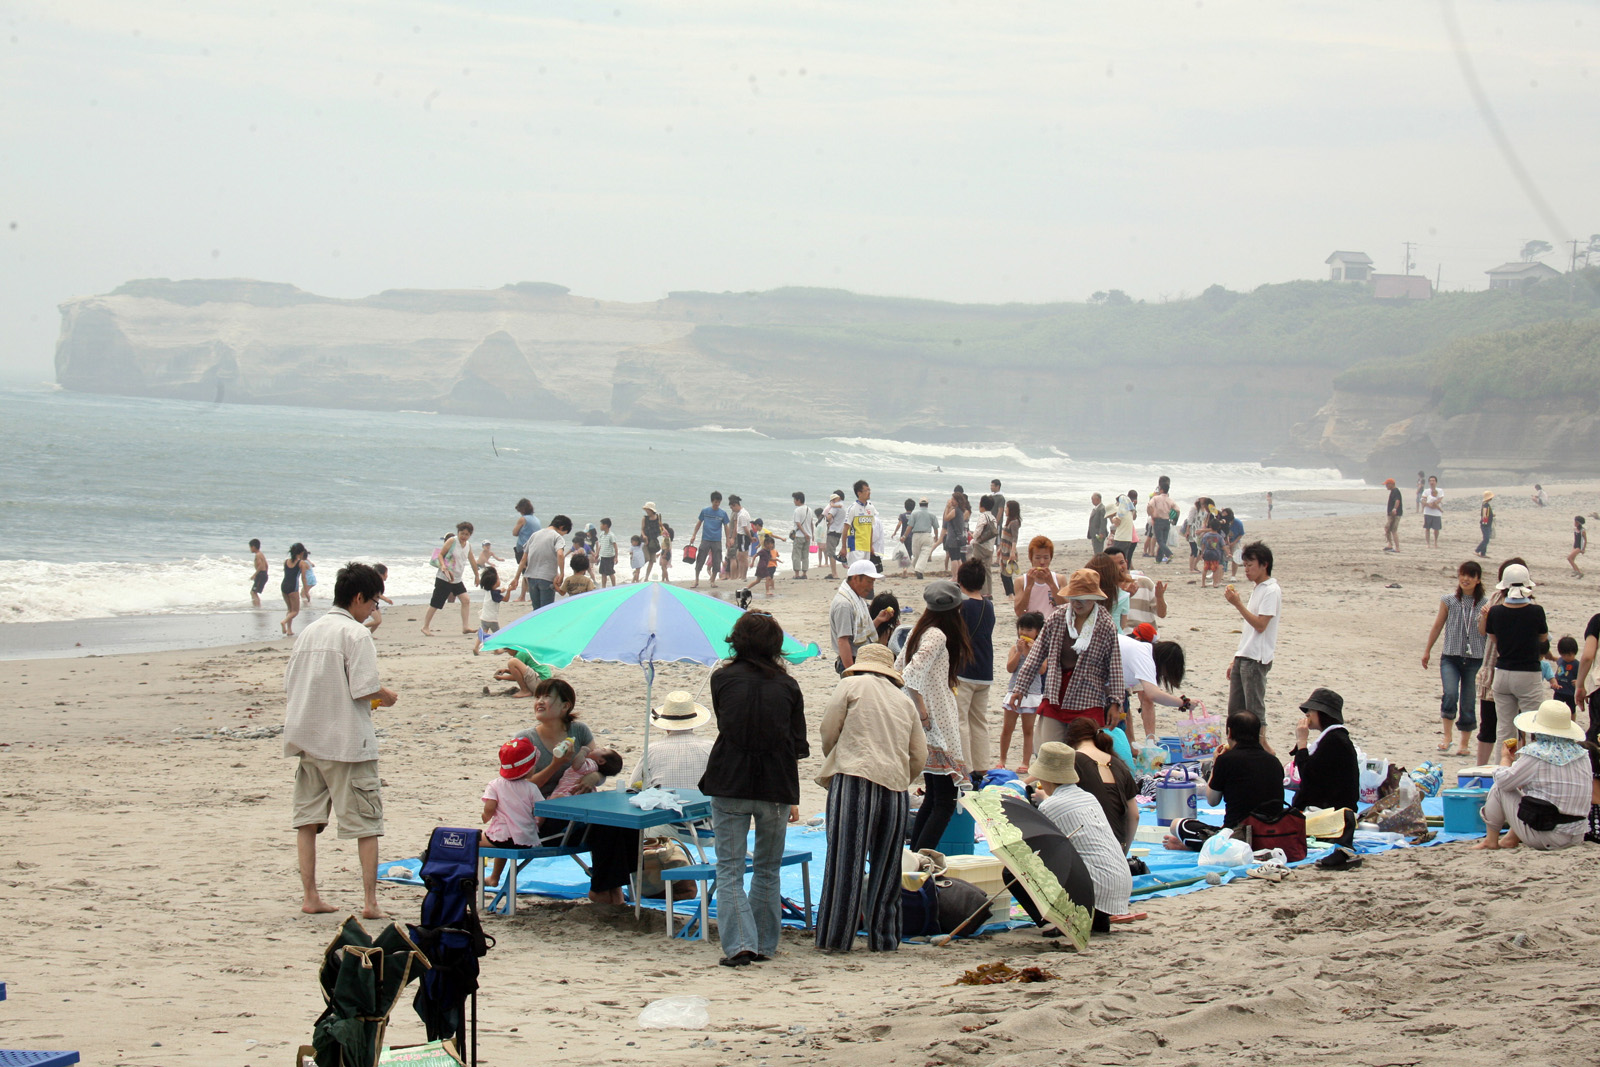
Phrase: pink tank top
{"type": "Point", "coordinates": [1039, 600]}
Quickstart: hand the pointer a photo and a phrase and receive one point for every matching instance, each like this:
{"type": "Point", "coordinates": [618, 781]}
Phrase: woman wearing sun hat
{"type": "Point", "coordinates": [873, 748]}
{"type": "Point", "coordinates": [1078, 655]}
{"type": "Point", "coordinates": [1543, 790]}
{"type": "Point", "coordinates": [1485, 524]}
{"type": "Point", "coordinates": [753, 777]}
{"type": "Point", "coordinates": [1521, 637]}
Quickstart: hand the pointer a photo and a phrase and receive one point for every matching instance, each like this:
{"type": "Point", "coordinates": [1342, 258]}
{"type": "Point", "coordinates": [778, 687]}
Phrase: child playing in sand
{"type": "Point", "coordinates": [1580, 542]}
{"type": "Point", "coordinates": [375, 619]}
{"type": "Point", "coordinates": [578, 581]}
{"type": "Point", "coordinates": [589, 773]}
{"type": "Point", "coordinates": [665, 558]}
{"type": "Point", "coordinates": [489, 614]}
{"type": "Point", "coordinates": [1565, 683]}
{"type": "Point", "coordinates": [636, 554]}
{"type": "Point", "coordinates": [508, 802]}
{"type": "Point", "coordinates": [1029, 623]}
{"type": "Point", "coordinates": [766, 563]}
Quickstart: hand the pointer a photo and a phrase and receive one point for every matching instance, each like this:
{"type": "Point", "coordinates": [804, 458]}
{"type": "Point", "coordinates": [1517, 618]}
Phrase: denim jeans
{"type": "Point", "coordinates": [542, 592]}
{"type": "Point", "coordinates": [1163, 553]}
{"type": "Point", "coordinates": [1460, 677]}
{"type": "Point", "coordinates": [748, 922]}
{"type": "Point", "coordinates": [1488, 532]}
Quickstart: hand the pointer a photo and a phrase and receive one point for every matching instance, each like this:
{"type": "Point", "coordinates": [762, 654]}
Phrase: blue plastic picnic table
{"type": "Point", "coordinates": [612, 808]}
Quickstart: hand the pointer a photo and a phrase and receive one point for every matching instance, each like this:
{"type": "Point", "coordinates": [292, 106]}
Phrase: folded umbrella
{"type": "Point", "coordinates": [1040, 857]}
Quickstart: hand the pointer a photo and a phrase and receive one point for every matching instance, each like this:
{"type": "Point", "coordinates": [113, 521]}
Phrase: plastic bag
{"type": "Point", "coordinates": [676, 1013]}
{"type": "Point", "coordinates": [1221, 850]}
{"type": "Point", "coordinates": [1201, 732]}
{"type": "Point", "coordinates": [656, 797]}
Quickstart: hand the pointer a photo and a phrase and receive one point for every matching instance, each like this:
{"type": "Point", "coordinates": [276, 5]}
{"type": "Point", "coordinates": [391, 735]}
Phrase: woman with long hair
{"type": "Point", "coordinates": [937, 649]}
{"type": "Point", "coordinates": [1116, 603]}
{"type": "Point", "coordinates": [1462, 656]}
{"type": "Point", "coordinates": [957, 510]}
{"type": "Point", "coordinates": [753, 780]}
{"type": "Point", "coordinates": [1010, 527]}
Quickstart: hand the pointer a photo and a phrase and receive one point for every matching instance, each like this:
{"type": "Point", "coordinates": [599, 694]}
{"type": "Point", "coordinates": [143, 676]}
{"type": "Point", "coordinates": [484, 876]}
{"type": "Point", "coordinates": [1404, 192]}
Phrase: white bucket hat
{"type": "Point", "coordinates": [680, 712]}
{"type": "Point", "coordinates": [1516, 583]}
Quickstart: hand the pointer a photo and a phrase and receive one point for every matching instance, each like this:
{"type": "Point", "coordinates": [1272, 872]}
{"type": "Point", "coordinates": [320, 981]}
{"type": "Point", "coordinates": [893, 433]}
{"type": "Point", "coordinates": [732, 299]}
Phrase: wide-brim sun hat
{"type": "Point", "coordinates": [1084, 584]}
{"type": "Point", "coordinates": [1327, 703]}
{"type": "Point", "coordinates": [875, 659]}
{"type": "Point", "coordinates": [1553, 719]}
{"type": "Point", "coordinates": [649, 505]}
{"type": "Point", "coordinates": [1488, 495]}
{"type": "Point", "coordinates": [1054, 762]}
{"type": "Point", "coordinates": [680, 712]}
{"type": "Point", "coordinates": [1516, 574]}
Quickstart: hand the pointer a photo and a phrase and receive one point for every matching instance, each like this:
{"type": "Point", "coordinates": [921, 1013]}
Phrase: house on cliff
{"type": "Point", "coordinates": [1518, 275]}
{"type": "Point", "coordinates": [1349, 266]}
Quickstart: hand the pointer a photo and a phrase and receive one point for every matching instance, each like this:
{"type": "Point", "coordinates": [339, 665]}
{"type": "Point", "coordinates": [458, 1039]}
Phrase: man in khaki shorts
{"type": "Point", "coordinates": [332, 686]}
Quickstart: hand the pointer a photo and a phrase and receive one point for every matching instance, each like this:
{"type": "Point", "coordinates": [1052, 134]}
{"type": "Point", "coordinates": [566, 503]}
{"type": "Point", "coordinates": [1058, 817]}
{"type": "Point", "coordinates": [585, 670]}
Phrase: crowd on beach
{"type": "Point", "coordinates": [907, 728]}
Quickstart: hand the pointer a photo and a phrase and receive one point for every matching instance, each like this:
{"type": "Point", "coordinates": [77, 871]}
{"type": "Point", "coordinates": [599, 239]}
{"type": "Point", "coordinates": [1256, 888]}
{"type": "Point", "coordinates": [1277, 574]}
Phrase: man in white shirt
{"type": "Point", "coordinates": [924, 527]}
{"type": "Point", "coordinates": [332, 685]}
{"type": "Point", "coordinates": [802, 533]}
{"type": "Point", "coordinates": [833, 515]}
{"type": "Point", "coordinates": [1247, 675]}
{"type": "Point", "coordinates": [1432, 512]}
{"type": "Point", "coordinates": [861, 525]}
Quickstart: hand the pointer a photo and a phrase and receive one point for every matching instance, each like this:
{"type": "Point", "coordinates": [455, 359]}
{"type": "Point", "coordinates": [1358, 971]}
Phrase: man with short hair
{"type": "Point", "coordinates": [712, 519]}
{"type": "Point", "coordinates": [1432, 512]}
{"type": "Point", "coordinates": [861, 525]}
{"type": "Point", "coordinates": [924, 527]}
{"type": "Point", "coordinates": [1391, 515]}
{"type": "Point", "coordinates": [1243, 777]}
{"type": "Point", "coordinates": [833, 515]}
{"type": "Point", "coordinates": [259, 581]}
{"type": "Point", "coordinates": [331, 683]}
{"type": "Point", "coordinates": [1258, 644]}
{"type": "Point", "coordinates": [802, 531]}
{"type": "Point", "coordinates": [544, 561]}
{"type": "Point", "coordinates": [999, 500]}
{"type": "Point", "coordinates": [1098, 528]}
{"type": "Point", "coordinates": [1160, 512]}
{"type": "Point", "coordinates": [850, 620]}
{"type": "Point", "coordinates": [740, 537]}
{"type": "Point", "coordinates": [453, 560]}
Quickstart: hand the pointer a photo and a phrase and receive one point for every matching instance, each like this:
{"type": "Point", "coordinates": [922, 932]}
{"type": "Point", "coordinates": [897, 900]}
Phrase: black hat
{"type": "Point", "coordinates": [1325, 702]}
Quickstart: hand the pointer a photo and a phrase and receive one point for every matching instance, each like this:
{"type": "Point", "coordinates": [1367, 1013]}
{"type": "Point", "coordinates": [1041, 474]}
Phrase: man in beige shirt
{"type": "Point", "coordinates": [332, 686]}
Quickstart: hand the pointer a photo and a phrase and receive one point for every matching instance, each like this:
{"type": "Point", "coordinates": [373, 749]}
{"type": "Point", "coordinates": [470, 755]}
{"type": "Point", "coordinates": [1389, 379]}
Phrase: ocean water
{"type": "Point", "coordinates": [123, 506]}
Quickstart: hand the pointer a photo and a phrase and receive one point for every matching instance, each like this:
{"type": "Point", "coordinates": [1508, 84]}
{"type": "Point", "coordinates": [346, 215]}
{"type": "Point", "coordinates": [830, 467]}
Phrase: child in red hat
{"type": "Point", "coordinates": [508, 801]}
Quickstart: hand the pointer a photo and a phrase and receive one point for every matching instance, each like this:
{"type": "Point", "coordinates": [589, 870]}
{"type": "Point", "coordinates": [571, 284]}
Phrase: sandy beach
{"type": "Point", "coordinates": [150, 901]}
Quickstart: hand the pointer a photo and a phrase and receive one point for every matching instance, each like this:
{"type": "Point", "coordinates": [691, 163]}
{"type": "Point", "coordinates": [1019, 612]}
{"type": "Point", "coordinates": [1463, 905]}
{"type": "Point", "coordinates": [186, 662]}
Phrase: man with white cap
{"type": "Point", "coordinates": [850, 620]}
{"type": "Point", "coordinates": [1522, 637]}
{"type": "Point", "coordinates": [677, 758]}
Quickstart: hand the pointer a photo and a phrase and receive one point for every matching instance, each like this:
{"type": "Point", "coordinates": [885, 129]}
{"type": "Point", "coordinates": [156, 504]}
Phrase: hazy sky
{"type": "Point", "coordinates": [961, 150]}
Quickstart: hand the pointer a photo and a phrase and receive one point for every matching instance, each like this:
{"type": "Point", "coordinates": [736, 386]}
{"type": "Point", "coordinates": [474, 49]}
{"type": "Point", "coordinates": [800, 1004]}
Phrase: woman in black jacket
{"type": "Point", "coordinates": [753, 776]}
{"type": "Point", "coordinates": [1330, 776]}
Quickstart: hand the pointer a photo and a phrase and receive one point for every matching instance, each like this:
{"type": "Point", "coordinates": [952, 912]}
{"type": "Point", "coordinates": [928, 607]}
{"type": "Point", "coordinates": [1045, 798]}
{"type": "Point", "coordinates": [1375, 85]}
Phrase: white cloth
{"type": "Point", "coordinates": [513, 818]}
{"type": "Point", "coordinates": [804, 522]}
{"type": "Point", "coordinates": [1080, 816]}
{"type": "Point", "coordinates": [334, 662]}
{"type": "Point", "coordinates": [1311, 746]}
{"type": "Point", "coordinates": [862, 631]}
{"type": "Point", "coordinates": [1265, 599]}
{"type": "Point", "coordinates": [651, 799]}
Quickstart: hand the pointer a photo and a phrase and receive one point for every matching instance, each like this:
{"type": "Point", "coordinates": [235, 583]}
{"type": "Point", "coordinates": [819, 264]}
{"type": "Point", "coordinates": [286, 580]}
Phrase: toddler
{"type": "Point", "coordinates": [1029, 623]}
{"type": "Point", "coordinates": [587, 774]}
{"type": "Point", "coordinates": [766, 563]}
{"type": "Point", "coordinates": [1565, 682]}
{"type": "Point", "coordinates": [508, 802]}
{"type": "Point", "coordinates": [578, 581]}
{"type": "Point", "coordinates": [489, 614]}
{"type": "Point", "coordinates": [665, 556]}
{"type": "Point", "coordinates": [636, 554]}
{"type": "Point", "coordinates": [375, 619]}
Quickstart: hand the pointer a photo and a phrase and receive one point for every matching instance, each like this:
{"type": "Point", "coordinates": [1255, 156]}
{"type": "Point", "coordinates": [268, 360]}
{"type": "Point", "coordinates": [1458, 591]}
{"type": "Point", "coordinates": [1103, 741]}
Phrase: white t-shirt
{"type": "Point", "coordinates": [1267, 599]}
{"type": "Point", "coordinates": [513, 817]}
{"type": "Point", "coordinates": [1138, 661]}
{"type": "Point", "coordinates": [741, 522]}
{"type": "Point", "coordinates": [804, 521]}
{"type": "Point", "coordinates": [833, 515]}
{"type": "Point", "coordinates": [1431, 501]}
{"type": "Point", "coordinates": [490, 612]}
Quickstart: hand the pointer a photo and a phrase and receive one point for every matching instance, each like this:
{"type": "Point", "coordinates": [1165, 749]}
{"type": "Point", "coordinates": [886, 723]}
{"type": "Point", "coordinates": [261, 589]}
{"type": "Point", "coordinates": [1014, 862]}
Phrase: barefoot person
{"type": "Point", "coordinates": [1462, 658]}
{"type": "Point", "coordinates": [263, 570]}
{"type": "Point", "coordinates": [332, 685]}
{"type": "Point", "coordinates": [294, 572]}
{"type": "Point", "coordinates": [453, 560]}
{"type": "Point", "coordinates": [1541, 791]}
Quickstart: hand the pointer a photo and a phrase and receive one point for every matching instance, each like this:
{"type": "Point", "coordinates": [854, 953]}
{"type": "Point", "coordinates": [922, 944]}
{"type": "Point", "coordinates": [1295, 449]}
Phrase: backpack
{"type": "Point", "coordinates": [450, 935]}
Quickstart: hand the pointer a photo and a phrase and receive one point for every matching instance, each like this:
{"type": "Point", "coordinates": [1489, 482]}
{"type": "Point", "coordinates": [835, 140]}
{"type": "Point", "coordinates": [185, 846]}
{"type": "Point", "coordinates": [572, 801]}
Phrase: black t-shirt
{"type": "Point", "coordinates": [1113, 795]}
{"type": "Point", "coordinates": [1516, 636]}
{"type": "Point", "coordinates": [979, 617]}
{"type": "Point", "coordinates": [1396, 502]}
{"type": "Point", "coordinates": [1246, 777]}
{"type": "Point", "coordinates": [1593, 629]}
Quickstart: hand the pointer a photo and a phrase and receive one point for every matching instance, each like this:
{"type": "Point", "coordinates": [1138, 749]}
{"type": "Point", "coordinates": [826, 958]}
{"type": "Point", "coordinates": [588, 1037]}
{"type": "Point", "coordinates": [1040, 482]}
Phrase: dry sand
{"type": "Point", "coordinates": [149, 897]}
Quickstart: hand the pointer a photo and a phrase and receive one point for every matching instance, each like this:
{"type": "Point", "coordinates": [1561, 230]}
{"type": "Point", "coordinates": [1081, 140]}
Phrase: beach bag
{"type": "Point", "coordinates": [1201, 732]}
{"type": "Point", "coordinates": [962, 907]}
{"type": "Point", "coordinates": [1278, 826]}
{"type": "Point", "coordinates": [663, 854]}
{"type": "Point", "coordinates": [438, 558]}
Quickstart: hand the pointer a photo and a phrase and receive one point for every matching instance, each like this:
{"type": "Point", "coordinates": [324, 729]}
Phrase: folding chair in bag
{"type": "Point", "coordinates": [452, 938]}
{"type": "Point", "coordinates": [16, 1057]}
{"type": "Point", "coordinates": [362, 977]}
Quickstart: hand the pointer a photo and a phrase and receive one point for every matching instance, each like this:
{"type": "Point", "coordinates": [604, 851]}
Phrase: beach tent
{"type": "Point", "coordinates": [643, 622]}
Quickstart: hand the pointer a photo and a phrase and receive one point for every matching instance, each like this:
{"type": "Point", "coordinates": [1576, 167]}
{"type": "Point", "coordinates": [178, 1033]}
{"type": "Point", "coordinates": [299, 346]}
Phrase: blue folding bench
{"type": "Point", "coordinates": [16, 1057]}
{"type": "Point", "coordinates": [706, 875]}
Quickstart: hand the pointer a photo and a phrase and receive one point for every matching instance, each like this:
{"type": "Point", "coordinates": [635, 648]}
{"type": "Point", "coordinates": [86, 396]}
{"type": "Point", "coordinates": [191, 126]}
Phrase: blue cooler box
{"type": "Point", "coordinates": [1463, 810]}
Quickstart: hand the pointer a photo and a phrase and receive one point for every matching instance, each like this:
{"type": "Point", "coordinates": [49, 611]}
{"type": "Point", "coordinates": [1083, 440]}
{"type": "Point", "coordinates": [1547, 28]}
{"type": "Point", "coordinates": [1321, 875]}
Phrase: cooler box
{"type": "Point", "coordinates": [1475, 778]}
{"type": "Point", "coordinates": [960, 836]}
{"type": "Point", "coordinates": [1463, 810]}
{"type": "Point", "coordinates": [983, 872]}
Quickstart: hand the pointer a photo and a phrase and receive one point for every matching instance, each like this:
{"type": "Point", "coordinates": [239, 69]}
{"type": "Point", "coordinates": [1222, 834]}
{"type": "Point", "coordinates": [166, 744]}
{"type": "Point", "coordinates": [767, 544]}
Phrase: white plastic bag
{"type": "Point", "coordinates": [676, 1013]}
{"type": "Point", "coordinates": [1221, 850]}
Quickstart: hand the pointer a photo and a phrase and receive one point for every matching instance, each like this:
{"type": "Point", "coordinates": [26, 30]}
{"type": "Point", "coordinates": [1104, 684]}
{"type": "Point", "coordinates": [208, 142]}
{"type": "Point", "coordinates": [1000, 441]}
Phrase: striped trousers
{"type": "Point", "coordinates": [866, 823]}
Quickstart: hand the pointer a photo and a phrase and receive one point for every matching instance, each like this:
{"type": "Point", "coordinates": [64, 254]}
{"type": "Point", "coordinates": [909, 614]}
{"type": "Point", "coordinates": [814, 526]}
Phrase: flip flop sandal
{"type": "Point", "coordinates": [1130, 917]}
{"type": "Point", "coordinates": [738, 959]}
{"type": "Point", "coordinates": [1340, 859]}
{"type": "Point", "coordinates": [1271, 874]}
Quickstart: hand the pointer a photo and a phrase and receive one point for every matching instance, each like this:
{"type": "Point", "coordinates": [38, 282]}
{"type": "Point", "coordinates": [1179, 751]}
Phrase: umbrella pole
{"type": "Point", "coordinates": [649, 703]}
{"type": "Point", "coordinates": [942, 942]}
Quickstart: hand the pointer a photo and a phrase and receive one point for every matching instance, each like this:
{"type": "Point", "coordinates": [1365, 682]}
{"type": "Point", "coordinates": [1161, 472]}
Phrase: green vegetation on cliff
{"type": "Point", "coordinates": [1325, 325]}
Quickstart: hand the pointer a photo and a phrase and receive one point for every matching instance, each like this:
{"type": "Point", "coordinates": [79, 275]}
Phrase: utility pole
{"type": "Point", "coordinates": [1438, 272]}
{"type": "Point", "coordinates": [1573, 264]}
{"type": "Point", "coordinates": [1409, 245]}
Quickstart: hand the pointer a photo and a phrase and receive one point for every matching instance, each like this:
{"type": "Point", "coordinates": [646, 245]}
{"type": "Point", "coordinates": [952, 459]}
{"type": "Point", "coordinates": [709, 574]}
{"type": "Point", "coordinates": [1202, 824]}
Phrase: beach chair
{"type": "Point", "coordinates": [451, 938]}
{"type": "Point", "coordinates": [705, 874]}
{"type": "Point", "coordinates": [16, 1057]}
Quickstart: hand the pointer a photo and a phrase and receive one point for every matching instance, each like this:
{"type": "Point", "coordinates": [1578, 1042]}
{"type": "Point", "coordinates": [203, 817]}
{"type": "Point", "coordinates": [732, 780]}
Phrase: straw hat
{"type": "Point", "coordinates": [680, 712]}
{"type": "Point", "coordinates": [518, 756]}
{"type": "Point", "coordinates": [1553, 719]}
{"type": "Point", "coordinates": [650, 506]}
{"type": "Point", "coordinates": [1054, 763]}
{"type": "Point", "coordinates": [878, 659]}
{"type": "Point", "coordinates": [1084, 585]}
{"type": "Point", "coordinates": [1488, 495]}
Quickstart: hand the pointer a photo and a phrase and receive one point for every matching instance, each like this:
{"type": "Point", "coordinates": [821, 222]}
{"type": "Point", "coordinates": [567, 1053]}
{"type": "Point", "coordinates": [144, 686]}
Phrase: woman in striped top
{"type": "Point", "coordinates": [1462, 656]}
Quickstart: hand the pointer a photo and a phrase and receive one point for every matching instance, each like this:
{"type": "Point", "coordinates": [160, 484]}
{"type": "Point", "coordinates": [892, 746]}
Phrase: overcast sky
{"type": "Point", "coordinates": [959, 150]}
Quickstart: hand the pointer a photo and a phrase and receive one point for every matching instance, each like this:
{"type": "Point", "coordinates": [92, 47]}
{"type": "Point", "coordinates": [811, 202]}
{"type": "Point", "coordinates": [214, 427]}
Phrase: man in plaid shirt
{"type": "Point", "coordinates": [1093, 685]}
